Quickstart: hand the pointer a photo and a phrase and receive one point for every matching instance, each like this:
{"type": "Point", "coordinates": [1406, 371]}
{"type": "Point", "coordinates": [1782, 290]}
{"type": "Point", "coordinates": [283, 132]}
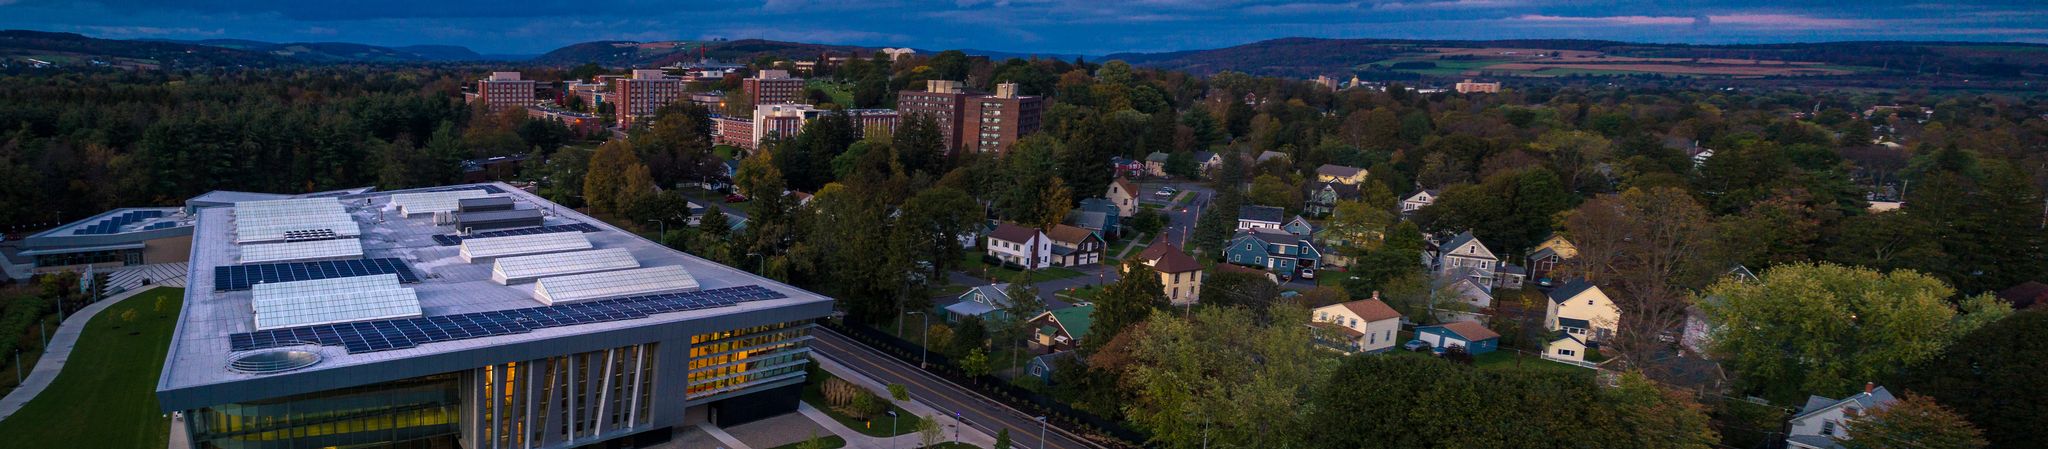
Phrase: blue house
{"type": "Point", "coordinates": [1099, 215]}
{"type": "Point", "coordinates": [1275, 250]}
{"type": "Point", "coordinates": [1043, 366]}
{"type": "Point", "coordinates": [1476, 338]}
{"type": "Point", "coordinates": [987, 302]}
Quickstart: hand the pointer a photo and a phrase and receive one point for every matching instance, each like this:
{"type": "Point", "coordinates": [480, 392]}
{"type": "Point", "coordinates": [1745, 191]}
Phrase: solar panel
{"type": "Point", "coordinates": [430, 202]}
{"type": "Point", "coordinates": [452, 239]}
{"type": "Point", "coordinates": [229, 278]}
{"type": "Point", "coordinates": [336, 300]}
{"type": "Point", "coordinates": [581, 287]}
{"type": "Point", "coordinates": [488, 247]}
{"type": "Point", "coordinates": [306, 250]}
{"type": "Point", "coordinates": [276, 290]}
{"type": "Point", "coordinates": [294, 219]}
{"type": "Point", "coordinates": [372, 336]}
{"type": "Point", "coordinates": [508, 270]}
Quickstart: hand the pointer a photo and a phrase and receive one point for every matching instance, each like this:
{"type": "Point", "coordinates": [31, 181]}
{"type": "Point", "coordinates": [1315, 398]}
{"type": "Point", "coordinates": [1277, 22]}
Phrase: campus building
{"type": "Point", "coordinates": [984, 123]}
{"type": "Point", "coordinates": [788, 120]}
{"type": "Point", "coordinates": [112, 239]}
{"type": "Point", "coordinates": [636, 98]}
{"type": "Point", "coordinates": [473, 316]}
{"type": "Point", "coordinates": [504, 90]}
{"type": "Point", "coordinates": [772, 87]}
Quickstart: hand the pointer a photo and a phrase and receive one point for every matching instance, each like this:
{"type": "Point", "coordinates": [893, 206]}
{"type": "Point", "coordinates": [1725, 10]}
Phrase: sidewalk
{"type": "Point", "coordinates": [57, 353]}
{"type": "Point", "coordinates": [855, 439]}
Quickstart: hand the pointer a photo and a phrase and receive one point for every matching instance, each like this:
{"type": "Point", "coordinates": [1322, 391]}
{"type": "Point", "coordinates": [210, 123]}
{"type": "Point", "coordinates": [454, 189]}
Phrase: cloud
{"type": "Point", "coordinates": [1790, 21]}
{"type": "Point", "coordinates": [1604, 20]}
{"type": "Point", "coordinates": [125, 32]}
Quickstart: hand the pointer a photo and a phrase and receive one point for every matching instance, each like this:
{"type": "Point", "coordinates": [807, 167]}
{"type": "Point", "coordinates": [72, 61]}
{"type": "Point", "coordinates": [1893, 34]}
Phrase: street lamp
{"type": "Point", "coordinates": [924, 339]}
{"type": "Point", "coordinates": [1041, 432]}
{"type": "Point", "coordinates": [660, 238]}
{"type": "Point", "coordinates": [892, 423]}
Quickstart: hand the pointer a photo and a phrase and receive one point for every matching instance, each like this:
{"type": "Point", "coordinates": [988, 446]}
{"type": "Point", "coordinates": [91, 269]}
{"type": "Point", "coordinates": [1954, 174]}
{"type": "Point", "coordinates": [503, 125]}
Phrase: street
{"type": "Point", "coordinates": [978, 411]}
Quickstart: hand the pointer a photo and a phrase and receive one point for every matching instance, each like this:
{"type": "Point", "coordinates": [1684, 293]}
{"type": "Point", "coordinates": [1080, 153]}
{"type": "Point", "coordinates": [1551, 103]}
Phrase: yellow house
{"type": "Point", "coordinates": [1180, 274]}
{"type": "Point", "coordinates": [1125, 195]}
{"type": "Point", "coordinates": [1582, 315]}
{"type": "Point", "coordinates": [1362, 326]}
{"type": "Point", "coordinates": [1547, 256]}
{"type": "Point", "coordinates": [1340, 174]}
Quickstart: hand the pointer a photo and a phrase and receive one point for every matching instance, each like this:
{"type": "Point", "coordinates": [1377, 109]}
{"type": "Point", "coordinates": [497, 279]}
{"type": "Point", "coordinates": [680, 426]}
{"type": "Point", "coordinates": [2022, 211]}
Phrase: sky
{"type": "Point", "coordinates": [1092, 27]}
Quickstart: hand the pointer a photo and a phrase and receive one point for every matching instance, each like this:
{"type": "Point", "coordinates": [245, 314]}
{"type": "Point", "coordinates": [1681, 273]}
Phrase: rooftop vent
{"type": "Point", "coordinates": [268, 362]}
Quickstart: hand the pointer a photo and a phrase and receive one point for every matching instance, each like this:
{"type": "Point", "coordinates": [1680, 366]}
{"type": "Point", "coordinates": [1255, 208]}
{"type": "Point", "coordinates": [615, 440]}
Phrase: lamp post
{"type": "Point", "coordinates": [1041, 432]}
{"type": "Point", "coordinates": [663, 236]}
{"type": "Point", "coordinates": [924, 339]}
{"type": "Point", "coordinates": [892, 423]}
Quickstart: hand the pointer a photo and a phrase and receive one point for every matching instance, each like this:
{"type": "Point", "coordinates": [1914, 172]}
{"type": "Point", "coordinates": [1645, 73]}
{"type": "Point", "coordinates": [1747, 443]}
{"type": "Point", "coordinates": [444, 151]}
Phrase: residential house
{"type": "Point", "coordinates": [1363, 326]}
{"type": "Point", "coordinates": [1073, 246]}
{"type": "Point", "coordinates": [1473, 297]}
{"type": "Point", "coordinates": [1208, 160]}
{"type": "Point", "coordinates": [1553, 252]}
{"type": "Point", "coordinates": [1338, 174]}
{"type": "Point", "coordinates": [1127, 166]}
{"type": "Point", "coordinates": [1299, 226]}
{"type": "Point", "coordinates": [1124, 194]}
{"type": "Point", "coordinates": [1466, 255]}
{"type": "Point", "coordinates": [1277, 251]}
{"type": "Point", "coordinates": [988, 302]}
{"type": "Point", "coordinates": [1418, 200]}
{"type": "Point", "coordinates": [1269, 155]}
{"type": "Point", "coordinates": [1248, 270]}
{"type": "Point", "coordinates": [1474, 337]}
{"type": "Point", "coordinates": [1260, 217]}
{"type": "Point", "coordinates": [1582, 316]}
{"type": "Point", "coordinates": [1179, 273]}
{"type": "Point", "coordinates": [1042, 367]}
{"type": "Point", "coordinates": [1018, 245]}
{"type": "Point", "coordinates": [1155, 164]}
{"type": "Point", "coordinates": [1823, 423]}
{"type": "Point", "coordinates": [1099, 215]}
{"type": "Point", "coordinates": [1061, 330]}
{"type": "Point", "coordinates": [1321, 198]}
{"type": "Point", "coordinates": [1510, 276]}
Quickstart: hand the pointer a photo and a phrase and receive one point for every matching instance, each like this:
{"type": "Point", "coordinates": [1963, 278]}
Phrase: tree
{"type": "Point", "coordinates": [1269, 190]}
{"type": "Point", "coordinates": [1400, 256]}
{"type": "Point", "coordinates": [1003, 438]}
{"type": "Point", "coordinates": [1148, 221]}
{"type": "Point", "coordinates": [1221, 379]}
{"type": "Point", "coordinates": [1914, 422]}
{"type": "Point", "coordinates": [920, 146]}
{"type": "Point", "coordinates": [1125, 302]}
{"type": "Point", "coordinates": [929, 229]}
{"type": "Point", "coordinates": [1357, 227]}
{"type": "Point", "coordinates": [969, 335]}
{"type": "Point", "coordinates": [1646, 249]}
{"type": "Point", "coordinates": [1656, 418]}
{"type": "Point", "coordinates": [1826, 329]}
{"type": "Point", "coordinates": [928, 431]}
{"type": "Point", "coordinates": [615, 178]}
{"type": "Point", "coordinates": [975, 364]}
{"type": "Point", "coordinates": [1983, 374]}
{"type": "Point", "coordinates": [1510, 211]}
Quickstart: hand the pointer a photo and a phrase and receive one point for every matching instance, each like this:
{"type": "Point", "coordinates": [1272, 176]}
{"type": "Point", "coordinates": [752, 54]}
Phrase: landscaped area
{"type": "Point", "coordinates": [905, 422]}
{"type": "Point", "coordinates": [106, 395]}
{"type": "Point", "coordinates": [825, 442]}
{"type": "Point", "coordinates": [971, 264]}
{"type": "Point", "coordinates": [1506, 360]}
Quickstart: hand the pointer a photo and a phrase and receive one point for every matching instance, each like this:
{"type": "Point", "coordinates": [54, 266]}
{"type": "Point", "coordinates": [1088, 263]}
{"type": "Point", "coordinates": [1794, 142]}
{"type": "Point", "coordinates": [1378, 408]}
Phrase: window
{"type": "Point", "coordinates": [1565, 352]}
{"type": "Point", "coordinates": [1827, 428]}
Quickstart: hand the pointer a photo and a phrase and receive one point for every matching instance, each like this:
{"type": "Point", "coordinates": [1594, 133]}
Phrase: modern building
{"type": "Point", "coordinates": [788, 120]}
{"type": "Point", "coordinates": [945, 102]}
{"type": "Point", "coordinates": [998, 120]}
{"type": "Point", "coordinates": [115, 238]}
{"type": "Point", "coordinates": [772, 87]}
{"type": "Point", "coordinates": [635, 99]}
{"type": "Point", "coordinates": [299, 329]}
{"type": "Point", "coordinates": [504, 90]}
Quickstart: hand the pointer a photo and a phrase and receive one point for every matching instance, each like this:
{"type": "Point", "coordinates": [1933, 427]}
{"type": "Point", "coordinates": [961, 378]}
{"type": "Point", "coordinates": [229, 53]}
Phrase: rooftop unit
{"type": "Point", "coordinates": [410, 204]}
{"type": "Point", "coordinates": [509, 270]}
{"type": "Point", "coordinates": [639, 281]}
{"type": "Point", "coordinates": [336, 300]}
{"type": "Point", "coordinates": [488, 203]}
{"type": "Point", "coordinates": [475, 249]}
{"type": "Point", "coordinates": [331, 249]}
{"type": "Point", "coordinates": [499, 219]}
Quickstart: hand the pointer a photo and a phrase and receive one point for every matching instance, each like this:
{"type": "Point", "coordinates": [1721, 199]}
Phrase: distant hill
{"type": "Point", "coordinates": [333, 52]}
{"type": "Point", "coordinates": [660, 53]}
{"type": "Point", "coordinates": [24, 47]}
{"type": "Point", "coordinates": [1386, 58]}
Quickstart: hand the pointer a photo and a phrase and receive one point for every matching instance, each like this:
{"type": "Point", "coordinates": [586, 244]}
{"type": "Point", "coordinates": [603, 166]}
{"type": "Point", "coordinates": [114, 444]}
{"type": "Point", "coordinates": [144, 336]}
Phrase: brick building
{"type": "Point", "coordinates": [999, 120]}
{"type": "Point", "coordinates": [944, 101]}
{"type": "Point", "coordinates": [637, 98]}
{"type": "Point", "coordinates": [504, 90]}
{"type": "Point", "coordinates": [771, 87]}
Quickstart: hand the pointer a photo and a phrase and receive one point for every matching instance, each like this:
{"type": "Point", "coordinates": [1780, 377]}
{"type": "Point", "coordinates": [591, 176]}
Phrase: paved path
{"type": "Point", "coordinates": [57, 353]}
{"type": "Point", "coordinates": [723, 438]}
{"type": "Point", "coordinates": [1137, 241]}
{"type": "Point", "coordinates": [855, 439]}
{"type": "Point", "coordinates": [979, 413]}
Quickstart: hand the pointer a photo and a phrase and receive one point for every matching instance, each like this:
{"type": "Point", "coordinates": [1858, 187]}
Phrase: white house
{"type": "Point", "coordinates": [1822, 423]}
{"type": "Point", "coordinates": [1465, 255]}
{"type": "Point", "coordinates": [1020, 245]}
{"type": "Point", "coordinates": [1125, 195]}
{"type": "Point", "coordinates": [1582, 315]}
{"type": "Point", "coordinates": [1260, 217]}
{"type": "Point", "coordinates": [1418, 200]}
{"type": "Point", "coordinates": [1362, 326]}
{"type": "Point", "coordinates": [1469, 292]}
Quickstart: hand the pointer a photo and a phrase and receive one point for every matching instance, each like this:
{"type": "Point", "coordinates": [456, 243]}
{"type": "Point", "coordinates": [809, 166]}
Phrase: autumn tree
{"type": "Point", "coordinates": [1913, 422]}
{"type": "Point", "coordinates": [1222, 379]}
{"type": "Point", "coordinates": [1983, 375]}
{"type": "Point", "coordinates": [1647, 250]}
{"type": "Point", "coordinates": [1125, 302]}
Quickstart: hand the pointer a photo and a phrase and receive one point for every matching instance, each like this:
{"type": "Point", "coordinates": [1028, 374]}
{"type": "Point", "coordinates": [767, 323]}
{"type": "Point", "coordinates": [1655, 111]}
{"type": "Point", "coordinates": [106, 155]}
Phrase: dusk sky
{"type": "Point", "coordinates": [1051, 26]}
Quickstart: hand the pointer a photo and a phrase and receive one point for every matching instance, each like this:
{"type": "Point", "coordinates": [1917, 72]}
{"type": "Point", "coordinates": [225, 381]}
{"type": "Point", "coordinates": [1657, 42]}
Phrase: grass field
{"type": "Point", "coordinates": [971, 264]}
{"type": "Point", "coordinates": [1504, 360]}
{"type": "Point", "coordinates": [105, 397]}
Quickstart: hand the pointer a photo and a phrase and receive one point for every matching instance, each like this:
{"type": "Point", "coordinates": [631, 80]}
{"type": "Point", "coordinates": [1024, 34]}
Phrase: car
{"type": "Point", "coordinates": [735, 198]}
{"type": "Point", "coordinates": [1415, 345]}
{"type": "Point", "coordinates": [1164, 192]}
{"type": "Point", "coordinates": [1308, 273]}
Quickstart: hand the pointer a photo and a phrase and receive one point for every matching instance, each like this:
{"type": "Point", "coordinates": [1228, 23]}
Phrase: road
{"type": "Point", "coordinates": [977, 410]}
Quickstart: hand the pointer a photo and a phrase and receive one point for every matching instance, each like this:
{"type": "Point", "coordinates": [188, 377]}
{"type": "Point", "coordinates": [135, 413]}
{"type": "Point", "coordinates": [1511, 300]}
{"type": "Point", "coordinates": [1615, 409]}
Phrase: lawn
{"type": "Point", "coordinates": [106, 395]}
{"type": "Point", "coordinates": [952, 445]}
{"type": "Point", "coordinates": [879, 427]}
{"type": "Point", "coordinates": [971, 264]}
{"type": "Point", "coordinates": [725, 151]}
{"type": "Point", "coordinates": [1504, 360]}
{"type": "Point", "coordinates": [831, 442]}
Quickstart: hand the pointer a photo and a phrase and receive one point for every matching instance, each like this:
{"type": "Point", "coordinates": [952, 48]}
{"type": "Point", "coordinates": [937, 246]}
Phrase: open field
{"type": "Point", "coordinates": [1538, 62]}
{"type": "Point", "coordinates": [113, 368]}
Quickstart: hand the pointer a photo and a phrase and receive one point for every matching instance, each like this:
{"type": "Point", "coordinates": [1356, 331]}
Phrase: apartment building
{"type": "Point", "coordinates": [1000, 119]}
{"type": "Point", "coordinates": [772, 87]}
{"type": "Point", "coordinates": [638, 97]}
{"type": "Point", "coordinates": [504, 90]}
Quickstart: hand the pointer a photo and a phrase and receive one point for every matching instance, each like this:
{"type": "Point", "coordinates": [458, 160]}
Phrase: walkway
{"type": "Point", "coordinates": [57, 353]}
{"type": "Point", "coordinates": [130, 278]}
{"type": "Point", "coordinates": [723, 438]}
{"type": "Point", "coordinates": [839, 355]}
{"type": "Point", "coordinates": [857, 440]}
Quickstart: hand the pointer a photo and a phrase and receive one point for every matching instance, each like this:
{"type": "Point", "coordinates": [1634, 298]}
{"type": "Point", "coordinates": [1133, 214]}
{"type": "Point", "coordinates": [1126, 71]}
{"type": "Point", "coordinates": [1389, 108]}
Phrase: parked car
{"type": "Point", "coordinates": [1415, 345]}
{"type": "Point", "coordinates": [1167, 191]}
{"type": "Point", "coordinates": [1308, 273]}
{"type": "Point", "coordinates": [735, 198]}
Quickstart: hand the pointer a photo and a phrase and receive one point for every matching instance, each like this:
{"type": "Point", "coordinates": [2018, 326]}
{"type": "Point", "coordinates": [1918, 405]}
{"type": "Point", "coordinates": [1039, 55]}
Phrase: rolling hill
{"type": "Point", "coordinates": [659, 53]}
{"type": "Point", "coordinates": [70, 49]}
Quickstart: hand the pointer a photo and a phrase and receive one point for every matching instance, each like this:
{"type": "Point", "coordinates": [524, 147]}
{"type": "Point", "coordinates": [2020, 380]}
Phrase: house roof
{"type": "Point", "coordinates": [1156, 157]}
{"type": "Point", "coordinates": [1334, 327]}
{"type": "Point", "coordinates": [1570, 288]}
{"type": "Point", "coordinates": [1372, 310]}
{"type": "Point", "coordinates": [1076, 320]}
{"type": "Point", "coordinates": [1468, 330]}
{"type": "Point", "coordinates": [1874, 399]}
{"type": "Point", "coordinates": [1011, 232]}
{"type": "Point", "coordinates": [1338, 170]}
{"type": "Point", "coordinates": [1268, 155]}
{"type": "Point", "coordinates": [1544, 253]}
{"type": "Point", "coordinates": [1411, 195]}
{"type": "Point", "coordinates": [1513, 269]}
{"type": "Point", "coordinates": [997, 295]}
{"type": "Point", "coordinates": [1343, 191]}
{"type": "Point", "coordinates": [1462, 239]}
{"type": "Point", "coordinates": [1049, 359]}
{"type": "Point", "coordinates": [1097, 204]}
{"type": "Point", "coordinates": [1261, 213]}
{"type": "Point", "coordinates": [1167, 258]}
{"type": "Point", "coordinates": [1204, 156]}
{"type": "Point", "coordinates": [1093, 219]}
{"type": "Point", "coordinates": [1271, 236]}
{"type": "Point", "coordinates": [2026, 294]}
{"type": "Point", "coordinates": [1128, 187]}
{"type": "Point", "coordinates": [1069, 234]}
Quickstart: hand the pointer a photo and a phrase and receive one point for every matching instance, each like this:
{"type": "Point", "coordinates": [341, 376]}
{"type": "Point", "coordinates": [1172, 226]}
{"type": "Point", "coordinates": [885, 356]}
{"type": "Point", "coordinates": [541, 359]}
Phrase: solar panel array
{"type": "Point", "coordinates": [452, 239]}
{"type": "Point", "coordinates": [508, 270]}
{"type": "Point", "coordinates": [584, 287]}
{"type": "Point", "coordinates": [385, 335]}
{"type": "Point", "coordinates": [489, 247]}
{"type": "Point", "coordinates": [229, 278]}
{"type": "Point", "coordinates": [293, 219]}
{"type": "Point", "coordinates": [335, 300]}
{"type": "Point", "coordinates": [410, 204]}
{"type": "Point", "coordinates": [305, 250]}
{"type": "Point", "coordinates": [112, 225]}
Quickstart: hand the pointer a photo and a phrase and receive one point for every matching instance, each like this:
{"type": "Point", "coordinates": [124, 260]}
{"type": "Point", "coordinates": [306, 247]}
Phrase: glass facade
{"type": "Point", "coordinates": [556, 400]}
{"type": "Point", "coordinates": [124, 256]}
{"type": "Point", "coordinates": [722, 362]}
{"type": "Point", "coordinates": [418, 413]}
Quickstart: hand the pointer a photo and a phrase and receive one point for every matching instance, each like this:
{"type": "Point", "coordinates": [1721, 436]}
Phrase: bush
{"type": "Point", "coordinates": [838, 392]}
{"type": "Point", "coordinates": [865, 405]}
{"type": "Point", "coordinates": [21, 313]}
{"type": "Point", "coordinates": [898, 392]}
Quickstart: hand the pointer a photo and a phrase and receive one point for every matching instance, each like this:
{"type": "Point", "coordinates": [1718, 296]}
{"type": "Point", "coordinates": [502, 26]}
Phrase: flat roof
{"type": "Point", "coordinates": [141, 218]}
{"type": "Point", "coordinates": [200, 348]}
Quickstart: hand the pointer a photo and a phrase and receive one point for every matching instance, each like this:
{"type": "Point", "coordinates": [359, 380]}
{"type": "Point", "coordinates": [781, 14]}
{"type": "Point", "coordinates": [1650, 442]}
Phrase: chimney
{"type": "Point", "coordinates": [1869, 387]}
{"type": "Point", "coordinates": [1375, 295]}
{"type": "Point", "coordinates": [1006, 90]}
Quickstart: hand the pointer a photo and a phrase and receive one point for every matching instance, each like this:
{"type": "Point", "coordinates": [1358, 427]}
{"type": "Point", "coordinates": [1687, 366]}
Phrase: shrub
{"type": "Point", "coordinates": [838, 392]}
